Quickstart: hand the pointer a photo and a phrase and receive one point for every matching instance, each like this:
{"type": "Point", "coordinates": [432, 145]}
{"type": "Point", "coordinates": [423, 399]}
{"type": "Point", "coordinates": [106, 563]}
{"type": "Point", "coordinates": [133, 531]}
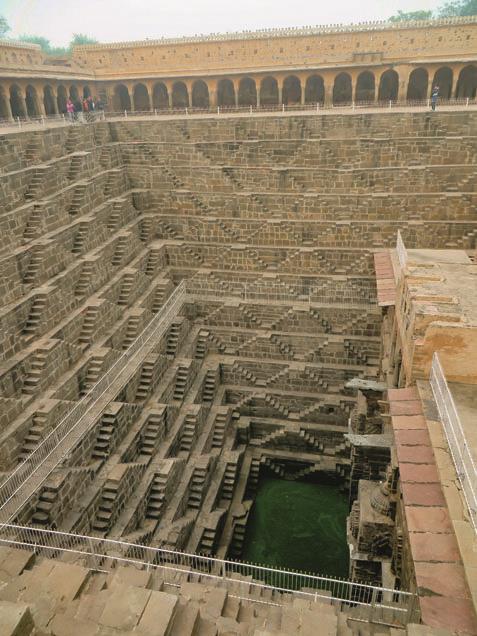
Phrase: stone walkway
{"type": "Point", "coordinates": [54, 123]}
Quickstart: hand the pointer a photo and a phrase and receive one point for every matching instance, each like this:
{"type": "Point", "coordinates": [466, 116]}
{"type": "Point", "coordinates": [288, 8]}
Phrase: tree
{"type": "Point", "coordinates": [44, 44]}
{"type": "Point", "coordinates": [4, 26]}
{"type": "Point", "coordinates": [81, 38]}
{"type": "Point", "coordinates": [458, 7]}
{"type": "Point", "coordinates": [410, 16]}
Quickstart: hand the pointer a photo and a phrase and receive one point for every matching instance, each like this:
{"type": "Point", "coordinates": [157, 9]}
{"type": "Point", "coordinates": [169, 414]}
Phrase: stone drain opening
{"type": "Point", "coordinates": [299, 525]}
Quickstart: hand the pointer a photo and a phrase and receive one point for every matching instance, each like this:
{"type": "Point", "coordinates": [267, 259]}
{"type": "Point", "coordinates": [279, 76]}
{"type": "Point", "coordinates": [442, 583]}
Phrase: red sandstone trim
{"type": "Point", "coordinates": [385, 282]}
{"type": "Point", "coordinates": [443, 592]}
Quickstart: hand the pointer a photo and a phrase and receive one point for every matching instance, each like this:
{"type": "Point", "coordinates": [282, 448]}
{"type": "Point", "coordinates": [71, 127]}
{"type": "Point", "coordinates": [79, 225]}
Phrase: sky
{"type": "Point", "coordinates": [116, 20]}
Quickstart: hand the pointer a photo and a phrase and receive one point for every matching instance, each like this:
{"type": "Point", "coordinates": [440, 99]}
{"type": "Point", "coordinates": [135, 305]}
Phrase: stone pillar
{"type": "Point", "coordinates": [280, 91]}
{"type": "Point", "coordinates": [8, 108]}
{"type": "Point", "coordinates": [54, 97]}
{"type": "Point", "coordinates": [21, 97]}
{"type": "Point", "coordinates": [429, 84]}
{"type": "Point", "coordinates": [328, 87]}
{"type": "Point", "coordinates": [40, 104]}
{"type": "Point", "coordinates": [258, 94]}
{"type": "Point", "coordinates": [236, 84]}
{"type": "Point", "coordinates": [131, 98]}
{"type": "Point", "coordinates": [212, 96]}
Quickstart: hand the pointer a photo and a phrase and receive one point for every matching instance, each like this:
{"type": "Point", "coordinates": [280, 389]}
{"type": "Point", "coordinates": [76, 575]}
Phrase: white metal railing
{"type": "Point", "coordinates": [29, 475]}
{"type": "Point", "coordinates": [465, 466]}
{"type": "Point", "coordinates": [61, 119]}
{"type": "Point", "coordinates": [348, 107]}
{"type": "Point", "coordinates": [375, 604]}
{"type": "Point", "coordinates": [401, 251]}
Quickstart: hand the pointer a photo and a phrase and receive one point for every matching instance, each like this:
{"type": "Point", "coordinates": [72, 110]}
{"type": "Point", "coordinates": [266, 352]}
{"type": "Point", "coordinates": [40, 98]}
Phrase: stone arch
{"type": "Point", "coordinates": [180, 95]}
{"type": "Point", "coordinates": [49, 100]}
{"type": "Point", "coordinates": [4, 106]}
{"type": "Point", "coordinates": [291, 93]}
{"type": "Point", "coordinates": [200, 94]}
{"type": "Point", "coordinates": [141, 97]}
{"type": "Point", "coordinates": [467, 82]}
{"type": "Point", "coordinates": [17, 102]}
{"type": "Point", "coordinates": [74, 95]}
{"type": "Point", "coordinates": [314, 90]}
{"type": "Point", "coordinates": [417, 86]}
{"type": "Point", "coordinates": [86, 91]}
{"type": "Point", "coordinates": [365, 87]}
{"type": "Point", "coordinates": [247, 94]}
{"type": "Point", "coordinates": [160, 96]}
{"type": "Point", "coordinates": [31, 101]}
{"type": "Point", "coordinates": [443, 78]}
{"type": "Point", "coordinates": [61, 97]}
{"type": "Point", "coordinates": [121, 98]}
{"type": "Point", "coordinates": [388, 86]}
{"type": "Point", "coordinates": [225, 93]}
{"type": "Point", "coordinates": [342, 89]}
{"type": "Point", "coordinates": [269, 91]}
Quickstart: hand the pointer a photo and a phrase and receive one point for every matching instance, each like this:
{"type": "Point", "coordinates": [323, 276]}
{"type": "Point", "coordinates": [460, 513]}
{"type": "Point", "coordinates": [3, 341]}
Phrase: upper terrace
{"type": "Point", "coordinates": [368, 63]}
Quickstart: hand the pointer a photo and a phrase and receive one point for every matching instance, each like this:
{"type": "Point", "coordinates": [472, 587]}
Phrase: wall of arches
{"type": "Point", "coordinates": [33, 99]}
{"type": "Point", "coordinates": [36, 98]}
{"type": "Point", "coordinates": [327, 88]}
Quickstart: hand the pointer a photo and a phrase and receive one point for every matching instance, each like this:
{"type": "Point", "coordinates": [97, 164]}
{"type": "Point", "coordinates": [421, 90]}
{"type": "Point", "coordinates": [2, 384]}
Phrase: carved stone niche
{"type": "Point", "coordinates": [375, 531]}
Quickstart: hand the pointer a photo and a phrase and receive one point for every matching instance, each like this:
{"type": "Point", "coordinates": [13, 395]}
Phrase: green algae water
{"type": "Point", "coordinates": [298, 525]}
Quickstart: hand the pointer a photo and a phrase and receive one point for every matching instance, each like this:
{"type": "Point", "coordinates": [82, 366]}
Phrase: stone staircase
{"type": "Point", "coordinates": [126, 600]}
{"type": "Point", "coordinates": [34, 436]}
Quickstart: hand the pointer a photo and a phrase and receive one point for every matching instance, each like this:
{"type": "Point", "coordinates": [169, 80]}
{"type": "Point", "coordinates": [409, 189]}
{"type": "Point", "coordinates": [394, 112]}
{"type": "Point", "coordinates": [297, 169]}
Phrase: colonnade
{"type": "Point", "coordinates": [23, 98]}
{"type": "Point", "coordinates": [37, 98]}
{"type": "Point", "coordinates": [359, 85]}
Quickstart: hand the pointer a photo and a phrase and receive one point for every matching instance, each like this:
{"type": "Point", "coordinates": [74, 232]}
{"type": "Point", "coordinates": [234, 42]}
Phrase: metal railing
{"type": "Point", "coordinates": [243, 580]}
{"type": "Point", "coordinates": [63, 119]}
{"type": "Point", "coordinates": [465, 466]}
{"type": "Point", "coordinates": [401, 251]}
{"type": "Point", "coordinates": [23, 482]}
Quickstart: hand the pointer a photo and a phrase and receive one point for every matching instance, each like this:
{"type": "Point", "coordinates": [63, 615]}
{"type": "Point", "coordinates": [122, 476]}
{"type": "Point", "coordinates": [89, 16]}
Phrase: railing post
{"type": "Point", "coordinates": [186, 110]}
{"type": "Point", "coordinates": [155, 112]}
{"type": "Point", "coordinates": [218, 110]}
{"type": "Point", "coordinates": [390, 103]}
{"type": "Point", "coordinates": [125, 113]}
{"type": "Point", "coordinates": [467, 102]}
{"type": "Point", "coordinates": [19, 122]}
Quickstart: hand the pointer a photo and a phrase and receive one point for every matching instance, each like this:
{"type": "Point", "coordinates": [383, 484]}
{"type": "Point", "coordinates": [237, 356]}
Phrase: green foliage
{"type": "Point", "coordinates": [81, 38]}
{"type": "Point", "coordinates": [408, 16]}
{"type": "Point", "coordinates": [458, 7]}
{"type": "Point", "coordinates": [447, 10]}
{"type": "Point", "coordinates": [45, 44]}
{"type": "Point", "coordinates": [4, 26]}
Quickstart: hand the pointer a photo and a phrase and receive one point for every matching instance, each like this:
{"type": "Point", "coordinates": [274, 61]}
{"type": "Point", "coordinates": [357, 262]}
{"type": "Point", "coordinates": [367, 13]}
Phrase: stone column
{"type": "Point", "coordinates": [236, 84]}
{"type": "Point", "coordinates": [280, 91]}
{"type": "Point", "coordinates": [131, 97]}
{"type": "Point", "coordinates": [21, 97]}
{"type": "Point", "coordinates": [212, 95]}
{"type": "Point", "coordinates": [455, 78]}
{"type": "Point", "coordinates": [8, 108]}
{"type": "Point", "coordinates": [258, 94]}
{"type": "Point", "coordinates": [54, 97]}
{"type": "Point", "coordinates": [328, 86]}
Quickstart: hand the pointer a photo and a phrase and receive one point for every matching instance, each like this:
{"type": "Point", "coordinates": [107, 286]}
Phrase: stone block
{"type": "Point", "coordinates": [15, 619]}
